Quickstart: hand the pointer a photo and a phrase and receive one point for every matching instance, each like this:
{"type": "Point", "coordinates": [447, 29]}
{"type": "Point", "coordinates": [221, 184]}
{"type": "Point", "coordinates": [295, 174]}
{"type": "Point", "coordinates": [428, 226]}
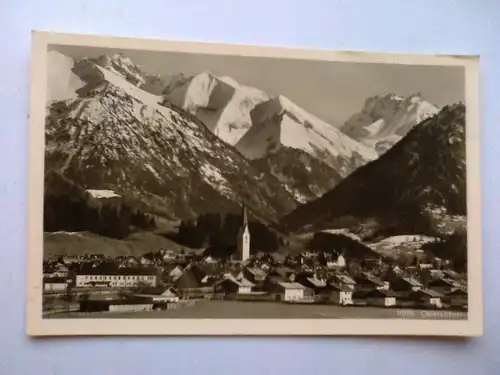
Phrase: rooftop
{"type": "Point", "coordinates": [288, 285]}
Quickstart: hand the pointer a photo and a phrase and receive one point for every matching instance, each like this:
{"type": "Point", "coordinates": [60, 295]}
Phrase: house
{"type": "Point", "coordinates": [405, 284]}
{"type": "Point", "coordinates": [436, 274]}
{"type": "Point", "coordinates": [190, 283]}
{"type": "Point", "coordinates": [337, 293]}
{"type": "Point", "coordinates": [254, 274]}
{"type": "Point", "coordinates": [175, 273]}
{"type": "Point", "coordinates": [67, 260]}
{"type": "Point", "coordinates": [341, 262]}
{"type": "Point", "coordinates": [54, 284]}
{"type": "Point", "coordinates": [115, 277]}
{"type": "Point", "coordinates": [56, 269]}
{"type": "Point", "coordinates": [381, 297]}
{"type": "Point", "coordinates": [344, 281]}
{"type": "Point", "coordinates": [423, 266]}
{"type": "Point", "coordinates": [315, 284]}
{"type": "Point", "coordinates": [397, 270]}
{"type": "Point", "coordinates": [443, 285]}
{"type": "Point", "coordinates": [304, 267]}
{"type": "Point", "coordinates": [159, 294]}
{"type": "Point", "coordinates": [210, 260]}
{"type": "Point", "coordinates": [265, 266]}
{"type": "Point", "coordinates": [458, 297]}
{"type": "Point", "coordinates": [367, 282]}
{"type": "Point", "coordinates": [147, 259]}
{"type": "Point", "coordinates": [234, 285]}
{"type": "Point", "coordinates": [289, 292]}
{"type": "Point", "coordinates": [169, 255]}
{"type": "Point", "coordinates": [427, 298]}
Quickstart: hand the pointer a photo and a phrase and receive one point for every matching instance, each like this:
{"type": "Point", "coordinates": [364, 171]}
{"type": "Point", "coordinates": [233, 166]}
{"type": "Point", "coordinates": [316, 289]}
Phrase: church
{"type": "Point", "coordinates": [243, 240]}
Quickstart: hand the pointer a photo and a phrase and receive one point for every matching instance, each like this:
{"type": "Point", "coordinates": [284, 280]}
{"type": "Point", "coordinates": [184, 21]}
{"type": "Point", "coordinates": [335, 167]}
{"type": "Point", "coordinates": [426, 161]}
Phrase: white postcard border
{"type": "Point", "coordinates": [39, 326]}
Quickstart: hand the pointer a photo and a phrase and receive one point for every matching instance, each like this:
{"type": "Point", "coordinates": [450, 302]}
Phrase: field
{"type": "Point", "coordinates": [204, 309]}
{"type": "Point", "coordinates": [137, 244]}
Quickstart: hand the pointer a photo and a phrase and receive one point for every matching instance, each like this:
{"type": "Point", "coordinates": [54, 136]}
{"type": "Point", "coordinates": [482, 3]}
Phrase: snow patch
{"type": "Point", "coordinates": [344, 232]}
{"type": "Point", "coordinates": [214, 178]}
{"type": "Point", "coordinates": [102, 193]}
{"type": "Point", "coordinates": [404, 239]}
{"type": "Point", "coordinates": [153, 171]}
{"type": "Point", "coordinates": [295, 194]}
{"type": "Point", "coordinates": [130, 89]}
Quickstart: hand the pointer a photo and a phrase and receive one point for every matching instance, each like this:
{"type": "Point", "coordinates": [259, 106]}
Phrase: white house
{"type": "Point", "coordinates": [339, 294]}
{"type": "Point", "coordinates": [168, 295]}
{"type": "Point", "coordinates": [176, 273]}
{"type": "Point", "coordinates": [169, 255]}
{"type": "Point", "coordinates": [341, 261]}
{"type": "Point", "coordinates": [146, 261]}
{"type": "Point", "coordinates": [120, 278]}
{"type": "Point", "coordinates": [381, 297]}
{"type": "Point", "coordinates": [54, 284]}
{"type": "Point", "coordinates": [345, 281]}
{"type": "Point", "coordinates": [428, 297]}
{"type": "Point", "coordinates": [292, 291]}
{"type": "Point", "coordinates": [255, 274]}
{"type": "Point", "coordinates": [234, 284]}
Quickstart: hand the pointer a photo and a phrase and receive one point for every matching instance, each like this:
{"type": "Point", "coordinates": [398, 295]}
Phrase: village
{"type": "Point", "coordinates": [166, 280]}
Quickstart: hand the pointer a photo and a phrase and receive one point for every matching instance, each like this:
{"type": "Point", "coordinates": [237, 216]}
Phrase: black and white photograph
{"type": "Point", "coordinates": [198, 188]}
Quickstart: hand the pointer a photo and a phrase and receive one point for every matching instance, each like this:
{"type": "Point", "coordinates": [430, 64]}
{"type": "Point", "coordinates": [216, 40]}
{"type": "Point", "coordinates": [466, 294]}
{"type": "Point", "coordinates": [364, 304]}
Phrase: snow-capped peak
{"type": "Point", "coordinates": [384, 120]}
{"type": "Point", "coordinates": [279, 122]}
{"type": "Point", "coordinates": [62, 81]}
{"type": "Point", "coordinates": [122, 65]}
{"type": "Point", "coordinates": [222, 104]}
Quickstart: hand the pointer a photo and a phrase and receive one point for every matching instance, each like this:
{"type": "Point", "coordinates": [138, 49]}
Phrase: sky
{"type": "Point", "coordinates": [333, 91]}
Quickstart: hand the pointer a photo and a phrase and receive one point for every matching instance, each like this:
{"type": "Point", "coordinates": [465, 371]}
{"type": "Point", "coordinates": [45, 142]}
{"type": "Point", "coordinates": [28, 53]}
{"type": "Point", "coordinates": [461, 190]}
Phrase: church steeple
{"type": "Point", "coordinates": [244, 218]}
{"type": "Point", "coordinates": [244, 236]}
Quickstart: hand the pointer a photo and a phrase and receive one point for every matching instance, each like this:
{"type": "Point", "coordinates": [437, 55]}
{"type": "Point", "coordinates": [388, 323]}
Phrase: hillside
{"type": "Point", "coordinates": [80, 243]}
{"type": "Point", "coordinates": [418, 186]}
{"type": "Point", "coordinates": [111, 135]}
{"type": "Point", "coordinates": [303, 175]}
{"type": "Point", "coordinates": [308, 156]}
{"type": "Point", "coordinates": [68, 207]}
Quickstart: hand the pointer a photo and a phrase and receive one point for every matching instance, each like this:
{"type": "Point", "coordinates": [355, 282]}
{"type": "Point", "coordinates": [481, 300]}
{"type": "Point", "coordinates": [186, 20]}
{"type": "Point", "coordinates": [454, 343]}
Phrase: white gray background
{"type": "Point", "coordinates": [429, 26]}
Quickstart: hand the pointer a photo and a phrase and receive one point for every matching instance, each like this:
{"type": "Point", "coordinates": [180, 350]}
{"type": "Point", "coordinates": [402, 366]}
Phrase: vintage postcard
{"type": "Point", "coordinates": [181, 188]}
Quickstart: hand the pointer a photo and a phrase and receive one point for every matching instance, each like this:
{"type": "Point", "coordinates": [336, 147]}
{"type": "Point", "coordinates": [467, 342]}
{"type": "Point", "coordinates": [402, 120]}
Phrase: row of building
{"type": "Point", "coordinates": [259, 282]}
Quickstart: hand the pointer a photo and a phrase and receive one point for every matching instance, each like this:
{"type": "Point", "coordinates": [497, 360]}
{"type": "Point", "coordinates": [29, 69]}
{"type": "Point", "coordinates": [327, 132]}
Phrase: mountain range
{"type": "Point", "coordinates": [385, 120]}
{"type": "Point", "coordinates": [109, 134]}
{"type": "Point", "coordinates": [417, 186]}
{"type": "Point", "coordinates": [178, 146]}
{"type": "Point", "coordinates": [112, 126]}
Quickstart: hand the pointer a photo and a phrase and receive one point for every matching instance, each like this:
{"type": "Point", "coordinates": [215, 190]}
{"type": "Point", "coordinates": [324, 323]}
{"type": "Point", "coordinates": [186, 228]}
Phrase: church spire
{"type": "Point", "coordinates": [244, 218]}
